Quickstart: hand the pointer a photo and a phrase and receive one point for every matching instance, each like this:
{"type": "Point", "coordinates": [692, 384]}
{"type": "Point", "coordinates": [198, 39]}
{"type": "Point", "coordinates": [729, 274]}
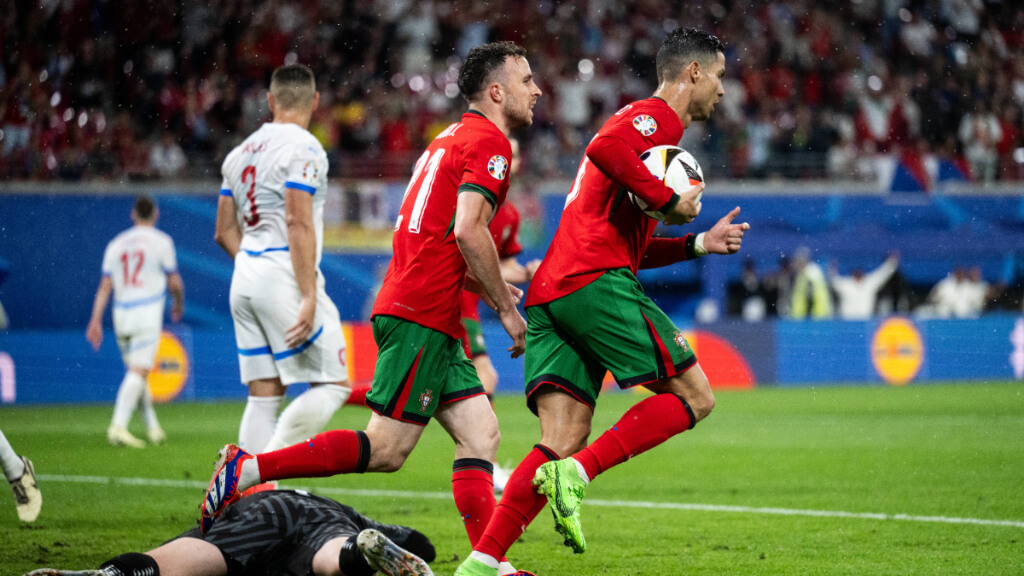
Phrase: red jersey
{"type": "Point", "coordinates": [601, 229]}
{"type": "Point", "coordinates": [427, 271]}
{"type": "Point", "coordinates": [505, 232]}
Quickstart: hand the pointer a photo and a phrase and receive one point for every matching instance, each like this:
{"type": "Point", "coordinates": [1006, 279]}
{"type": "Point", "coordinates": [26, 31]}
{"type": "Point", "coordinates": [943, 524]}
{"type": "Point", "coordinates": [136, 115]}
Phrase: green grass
{"type": "Point", "coordinates": [950, 451]}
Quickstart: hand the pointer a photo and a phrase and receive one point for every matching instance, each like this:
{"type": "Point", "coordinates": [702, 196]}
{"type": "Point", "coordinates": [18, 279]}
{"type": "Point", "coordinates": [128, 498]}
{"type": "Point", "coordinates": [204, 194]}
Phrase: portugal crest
{"type": "Point", "coordinates": [680, 340]}
{"type": "Point", "coordinates": [645, 124]}
{"type": "Point", "coordinates": [497, 167]}
{"type": "Point", "coordinates": [426, 398]}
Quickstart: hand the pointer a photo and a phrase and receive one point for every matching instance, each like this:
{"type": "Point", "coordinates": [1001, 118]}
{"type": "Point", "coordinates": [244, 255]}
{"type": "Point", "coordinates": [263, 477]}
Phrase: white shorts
{"type": "Point", "coordinates": [138, 349]}
{"type": "Point", "coordinates": [138, 334]}
{"type": "Point", "coordinates": [264, 305]}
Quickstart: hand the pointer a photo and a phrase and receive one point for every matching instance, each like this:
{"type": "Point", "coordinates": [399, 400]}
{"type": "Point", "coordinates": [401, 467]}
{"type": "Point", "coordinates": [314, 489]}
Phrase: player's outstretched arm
{"type": "Point", "coordinates": [725, 237]}
{"type": "Point", "coordinates": [227, 234]}
{"type": "Point", "coordinates": [94, 332]}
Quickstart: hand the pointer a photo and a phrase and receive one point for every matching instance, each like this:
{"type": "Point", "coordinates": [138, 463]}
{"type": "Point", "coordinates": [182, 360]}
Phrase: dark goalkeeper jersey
{"type": "Point", "coordinates": [600, 228]}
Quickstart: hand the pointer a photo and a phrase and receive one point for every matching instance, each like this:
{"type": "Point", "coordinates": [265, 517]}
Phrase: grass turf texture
{"type": "Point", "coordinates": [953, 451]}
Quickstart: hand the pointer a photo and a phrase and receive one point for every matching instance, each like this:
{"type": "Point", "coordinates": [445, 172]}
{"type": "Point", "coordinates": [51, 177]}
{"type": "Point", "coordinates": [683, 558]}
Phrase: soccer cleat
{"type": "Point", "coordinates": [120, 436]}
{"type": "Point", "coordinates": [385, 556]}
{"type": "Point", "coordinates": [262, 487]}
{"type": "Point", "coordinates": [27, 497]}
{"type": "Point", "coordinates": [53, 572]}
{"type": "Point", "coordinates": [501, 476]}
{"type": "Point", "coordinates": [560, 482]}
{"type": "Point", "coordinates": [474, 567]}
{"type": "Point", "coordinates": [223, 489]}
{"type": "Point", "coordinates": [156, 435]}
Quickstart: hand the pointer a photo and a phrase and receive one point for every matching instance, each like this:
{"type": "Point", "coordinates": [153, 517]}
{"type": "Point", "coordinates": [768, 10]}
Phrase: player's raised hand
{"type": "Point", "coordinates": [297, 334]}
{"type": "Point", "coordinates": [94, 334]}
{"type": "Point", "coordinates": [725, 237]}
{"type": "Point", "coordinates": [687, 208]}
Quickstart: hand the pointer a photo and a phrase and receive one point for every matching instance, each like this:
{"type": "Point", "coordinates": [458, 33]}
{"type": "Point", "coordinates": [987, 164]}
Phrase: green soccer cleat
{"type": "Point", "coordinates": [561, 483]}
{"type": "Point", "coordinates": [474, 567]}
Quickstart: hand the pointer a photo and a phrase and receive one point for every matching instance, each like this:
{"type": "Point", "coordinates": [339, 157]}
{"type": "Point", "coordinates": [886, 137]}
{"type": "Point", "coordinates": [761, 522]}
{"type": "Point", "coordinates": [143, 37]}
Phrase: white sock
{"type": "Point", "coordinates": [128, 396]}
{"type": "Point", "coordinates": [148, 413]}
{"type": "Point", "coordinates": [505, 568]}
{"type": "Point", "coordinates": [250, 474]}
{"type": "Point", "coordinates": [258, 423]}
{"type": "Point", "coordinates": [489, 560]}
{"type": "Point", "coordinates": [307, 415]}
{"type": "Point", "coordinates": [581, 470]}
{"type": "Point", "coordinates": [13, 467]}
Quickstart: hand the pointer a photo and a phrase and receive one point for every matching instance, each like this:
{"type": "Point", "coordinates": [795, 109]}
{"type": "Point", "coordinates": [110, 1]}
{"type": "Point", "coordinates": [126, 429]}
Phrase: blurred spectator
{"type": "Point", "coordinates": [894, 70]}
{"type": "Point", "coordinates": [980, 134]}
{"type": "Point", "coordinates": [857, 293]}
{"type": "Point", "coordinates": [754, 307]}
{"type": "Point", "coordinates": [166, 158]}
{"type": "Point", "coordinates": [961, 294]}
{"type": "Point", "coordinates": [810, 295]}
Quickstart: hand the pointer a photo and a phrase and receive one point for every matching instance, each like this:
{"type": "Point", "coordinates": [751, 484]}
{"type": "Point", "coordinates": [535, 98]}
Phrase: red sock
{"type": "Point", "coordinates": [647, 424]}
{"type": "Point", "coordinates": [326, 454]}
{"type": "Point", "coordinates": [358, 395]}
{"type": "Point", "coordinates": [519, 505]}
{"type": "Point", "coordinates": [473, 488]}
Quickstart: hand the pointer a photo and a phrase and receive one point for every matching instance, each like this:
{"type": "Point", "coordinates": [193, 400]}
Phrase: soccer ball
{"type": "Point", "coordinates": [675, 167]}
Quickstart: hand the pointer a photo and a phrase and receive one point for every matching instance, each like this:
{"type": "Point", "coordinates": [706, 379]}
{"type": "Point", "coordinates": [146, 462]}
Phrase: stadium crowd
{"type": "Point", "coordinates": [97, 89]}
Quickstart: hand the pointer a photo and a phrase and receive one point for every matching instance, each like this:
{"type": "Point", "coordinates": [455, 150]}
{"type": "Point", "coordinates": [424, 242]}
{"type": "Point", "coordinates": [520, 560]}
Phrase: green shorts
{"type": "Point", "coordinates": [418, 369]}
{"type": "Point", "coordinates": [608, 325]}
{"type": "Point", "coordinates": [473, 340]}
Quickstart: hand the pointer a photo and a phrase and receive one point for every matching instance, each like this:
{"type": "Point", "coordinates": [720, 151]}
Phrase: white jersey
{"type": "Point", "coordinates": [256, 174]}
{"type": "Point", "coordinates": [137, 261]}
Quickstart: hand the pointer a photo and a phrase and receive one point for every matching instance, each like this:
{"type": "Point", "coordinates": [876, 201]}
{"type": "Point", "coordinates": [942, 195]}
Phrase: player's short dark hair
{"type": "Point", "coordinates": [144, 206]}
{"type": "Point", "coordinates": [685, 45]}
{"type": "Point", "coordinates": [293, 86]}
{"type": "Point", "coordinates": [480, 65]}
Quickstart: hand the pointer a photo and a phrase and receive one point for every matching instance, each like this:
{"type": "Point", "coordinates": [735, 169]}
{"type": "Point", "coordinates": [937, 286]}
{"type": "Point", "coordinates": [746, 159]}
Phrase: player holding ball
{"type": "Point", "coordinates": [587, 312]}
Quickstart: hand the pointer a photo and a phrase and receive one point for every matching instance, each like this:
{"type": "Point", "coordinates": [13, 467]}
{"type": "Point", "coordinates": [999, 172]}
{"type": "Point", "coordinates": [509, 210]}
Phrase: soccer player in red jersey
{"type": "Point", "coordinates": [588, 314]}
{"type": "Point", "coordinates": [441, 244]}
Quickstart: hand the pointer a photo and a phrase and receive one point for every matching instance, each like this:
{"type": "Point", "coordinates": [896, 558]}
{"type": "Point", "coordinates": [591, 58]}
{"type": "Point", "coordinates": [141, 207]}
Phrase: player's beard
{"type": "Point", "coordinates": [518, 114]}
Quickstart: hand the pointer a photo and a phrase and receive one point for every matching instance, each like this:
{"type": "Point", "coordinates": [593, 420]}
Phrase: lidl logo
{"type": "Point", "coordinates": [170, 369]}
{"type": "Point", "coordinates": [897, 351]}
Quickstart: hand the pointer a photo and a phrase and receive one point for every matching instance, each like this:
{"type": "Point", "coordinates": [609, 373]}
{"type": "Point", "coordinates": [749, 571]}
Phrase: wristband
{"type": "Point", "coordinates": [698, 246]}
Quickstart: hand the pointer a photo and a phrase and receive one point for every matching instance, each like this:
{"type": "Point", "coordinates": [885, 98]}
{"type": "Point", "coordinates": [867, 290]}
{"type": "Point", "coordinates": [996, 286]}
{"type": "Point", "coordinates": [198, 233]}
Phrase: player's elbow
{"type": "Point", "coordinates": [463, 231]}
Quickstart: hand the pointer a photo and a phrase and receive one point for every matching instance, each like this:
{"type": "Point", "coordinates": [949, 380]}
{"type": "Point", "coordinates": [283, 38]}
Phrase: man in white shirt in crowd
{"type": "Point", "coordinates": [858, 292]}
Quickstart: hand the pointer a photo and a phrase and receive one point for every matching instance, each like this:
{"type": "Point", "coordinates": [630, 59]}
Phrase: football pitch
{"type": "Point", "coordinates": [925, 479]}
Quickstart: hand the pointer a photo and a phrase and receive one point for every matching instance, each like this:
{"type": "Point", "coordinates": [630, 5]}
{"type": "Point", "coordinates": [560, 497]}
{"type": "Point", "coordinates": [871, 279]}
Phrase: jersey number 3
{"type": "Point", "coordinates": [249, 177]}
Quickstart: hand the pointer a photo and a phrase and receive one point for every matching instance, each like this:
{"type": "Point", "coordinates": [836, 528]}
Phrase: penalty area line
{"type": "Point", "coordinates": [635, 504]}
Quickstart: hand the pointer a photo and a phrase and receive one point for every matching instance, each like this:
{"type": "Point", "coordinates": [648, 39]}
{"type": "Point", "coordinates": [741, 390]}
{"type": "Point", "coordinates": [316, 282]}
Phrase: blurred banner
{"type": "Point", "coordinates": [59, 366]}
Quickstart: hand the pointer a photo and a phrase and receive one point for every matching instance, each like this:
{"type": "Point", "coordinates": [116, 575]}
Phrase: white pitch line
{"type": "Point", "coordinates": [192, 484]}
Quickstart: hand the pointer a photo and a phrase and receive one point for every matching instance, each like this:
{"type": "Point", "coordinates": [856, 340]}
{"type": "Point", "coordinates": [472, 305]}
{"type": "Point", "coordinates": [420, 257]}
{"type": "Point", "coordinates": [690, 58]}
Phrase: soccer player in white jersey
{"type": "Point", "coordinates": [270, 220]}
{"type": "Point", "coordinates": [140, 267]}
